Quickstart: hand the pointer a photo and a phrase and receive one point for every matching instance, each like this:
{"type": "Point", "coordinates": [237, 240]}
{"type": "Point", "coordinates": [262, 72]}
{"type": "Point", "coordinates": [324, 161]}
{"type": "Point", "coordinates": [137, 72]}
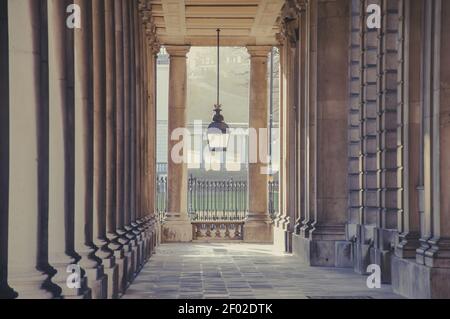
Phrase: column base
{"type": "Point", "coordinates": [134, 263]}
{"type": "Point", "coordinates": [413, 280]}
{"type": "Point", "coordinates": [383, 259]}
{"type": "Point", "coordinates": [98, 282]}
{"type": "Point", "coordinates": [113, 279]}
{"type": "Point", "coordinates": [30, 285]}
{"type": "Point", "coordinates": [361, 257]}
{"type": "Point", "coordinates": [158, 233]}
{"type": "Point", "coordinates": [282, 239]}
{"type": "Point", "coordinates": [122, 261]}
{"type": "Point", "coordinates": [258, 232]}
{"type": "Point", "coordinates": [322, 253]}
{"type": "Point", "coordinates": [6, 292]}
{"type": "Point", "coordinates": [59, 280]}
{"type": "Point", "coordinates": [176, 231]}
{"type": "Point", "coordinates": [130, 256]}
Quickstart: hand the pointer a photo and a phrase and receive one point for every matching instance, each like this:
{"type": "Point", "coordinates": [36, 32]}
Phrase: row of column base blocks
{"type": "Point", "coordinates": [107, 278]}
{"type": "Point", "coordinates": [406, 276]}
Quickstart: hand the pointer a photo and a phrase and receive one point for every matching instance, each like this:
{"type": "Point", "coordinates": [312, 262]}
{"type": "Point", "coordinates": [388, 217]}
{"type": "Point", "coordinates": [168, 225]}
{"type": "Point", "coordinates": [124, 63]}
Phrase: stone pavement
{"type": "Point", "coordinates": [243, 271]}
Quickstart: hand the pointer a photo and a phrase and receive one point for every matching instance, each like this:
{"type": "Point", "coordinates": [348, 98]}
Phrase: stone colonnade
{"type": "Point", "coordinates": [365, 162]}
{"type": "Point", "coordinates": [78, 116]}
{"type": "Point", "coordinates": [177, 226]}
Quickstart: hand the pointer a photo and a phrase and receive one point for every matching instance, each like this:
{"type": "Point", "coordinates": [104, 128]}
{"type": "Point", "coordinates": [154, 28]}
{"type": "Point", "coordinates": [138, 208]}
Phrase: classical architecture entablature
{"type": "Point", "coordinates": [194, 22]}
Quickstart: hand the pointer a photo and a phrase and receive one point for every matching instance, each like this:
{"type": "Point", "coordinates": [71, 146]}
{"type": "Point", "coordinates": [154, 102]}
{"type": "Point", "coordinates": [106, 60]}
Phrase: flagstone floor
{"type": "Point", "coordinates": [243, 271]}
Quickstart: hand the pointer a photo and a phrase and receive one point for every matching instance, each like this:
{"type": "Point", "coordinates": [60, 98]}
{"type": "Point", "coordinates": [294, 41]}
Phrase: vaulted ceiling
{"type": "Point", "coordinates": [194, 22]}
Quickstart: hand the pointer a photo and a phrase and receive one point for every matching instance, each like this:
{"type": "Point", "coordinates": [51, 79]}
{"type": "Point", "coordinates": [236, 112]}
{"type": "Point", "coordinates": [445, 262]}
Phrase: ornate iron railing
{"type": "Point", "coordinates": [215, 201]}
{"type": "Point", "coordinates": [161, 197]}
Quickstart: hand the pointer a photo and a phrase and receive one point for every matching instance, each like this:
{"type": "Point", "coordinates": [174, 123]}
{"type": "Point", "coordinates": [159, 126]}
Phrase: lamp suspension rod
{"type": "Point", "coordinates": [218, 67]}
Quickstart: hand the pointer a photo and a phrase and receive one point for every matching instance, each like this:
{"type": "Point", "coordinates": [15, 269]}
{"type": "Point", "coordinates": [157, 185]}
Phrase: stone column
{"type": "Point", "coordinates": [177, 226]}
{"type": "Point", "coordinates": [59, 219]}
{"type": "Point", "coordinates": [258, 227]}
{"type": "Point", "coordinates": [310, 131]}
{"type": "Point", "coordinates": [410, 53]}
{"type": "Point", "coordinates": [140, 137]}
{"type": "Point", "coordinates": [5, 291]}
{"type": "Point", "coordinates": [427, 275]}
{"type": "Point", "coordinates": [113, 70]}
{"type": "Point", "coordinates": [128, 135]}
{"type": "Point", "coordinates": [285, 221]}
{"type": "Point", "coordinates": [332, 102]}
{"type": "Point", "coordinates": [152, 52]}
{"type": "Point", "coordinates": [145, 133]}
{"type": "Point", "coordinates": [325, 245]}
{"type": "Point", "coordinates": [123, 265]}
{"type": "Point", "coordinates": [437, 256]}
{"type": "Point", "coordinates": [25, 105]}
{"type": "Point", "coordinates": [84, 246]}
{"type": "Point", "coordinates": [99, 91]}
{"type": "Point", "coordinates": [136, 140]}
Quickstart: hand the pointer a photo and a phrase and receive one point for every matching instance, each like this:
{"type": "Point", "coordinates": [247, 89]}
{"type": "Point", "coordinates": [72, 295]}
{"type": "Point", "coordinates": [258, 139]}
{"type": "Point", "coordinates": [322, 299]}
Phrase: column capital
{"type": "Point", "coordinates": [179, 51]}
{"type": "Point", "coordinates": [259, 51]}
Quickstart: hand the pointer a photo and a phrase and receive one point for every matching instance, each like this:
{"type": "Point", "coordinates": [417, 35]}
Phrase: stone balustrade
{"type": "Point", "coordinates": [218, 231]}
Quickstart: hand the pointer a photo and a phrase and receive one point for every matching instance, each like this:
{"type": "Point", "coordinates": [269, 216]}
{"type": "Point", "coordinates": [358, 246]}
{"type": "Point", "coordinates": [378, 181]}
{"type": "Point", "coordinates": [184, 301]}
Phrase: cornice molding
{"type": "Point", "coordinates": [145, 11]}
{"type": "Point", "coordinates": [289, 22]}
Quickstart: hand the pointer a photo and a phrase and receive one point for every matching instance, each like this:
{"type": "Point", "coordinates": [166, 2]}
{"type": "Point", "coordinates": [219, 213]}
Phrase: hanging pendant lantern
{"type": "Point", "coordinates": [218, 133]}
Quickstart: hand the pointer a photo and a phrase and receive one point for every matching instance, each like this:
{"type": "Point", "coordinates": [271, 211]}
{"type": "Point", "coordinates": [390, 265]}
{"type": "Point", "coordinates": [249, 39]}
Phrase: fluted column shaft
{"type": "Point", "coordinates": [152, 51]}
{"type": "Point", "coordinates": [128, 135]}
{"type": "Point", "coordinates": [84, 157]}
{"type": "Point", "coordinates": [99, 91]}
{"type": "Point", "coordinates": [5, 290]}
{"type": "Point", "coordinates": [119, 8]}
{"type": "Point", "coordinates": [24, 259]}
{"type": "Point", "coordinates": [410, 53]}
{"type": "Point", "coordinates": [60, 228]}
{"type": "Point", "coordinates": [437, 139]}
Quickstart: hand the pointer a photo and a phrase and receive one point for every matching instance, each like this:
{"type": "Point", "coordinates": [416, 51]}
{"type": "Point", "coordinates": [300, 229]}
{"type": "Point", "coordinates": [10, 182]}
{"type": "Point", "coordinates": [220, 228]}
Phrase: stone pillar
{"type": "Point", "coordinates": [426, 40]}
{"type": "Point", "coordinates": [123, 264]}
{"type": "Point", "coordinates": [177, 226]}
{"type": "Point", "coordinates": [284, 222]}
{"type": "Point", "coordinates": [113, 16]}
{"type": "Point", "coordinates": [153, 50]}
{"type": "Point", "coordinates": [326, 243]}
{"type": "Point", "coordinates": [140, 141]}
{"type": "Point", "coordinates": [143, 158]}
{"type": "Point", "coordinates": [25, 105]}
{"type": "Point", "coordinates": [137, 134]}
{"type": "Point", "coordinates": [410, 53]}
{"type": "Point", "coordinates": [60, 223]}
{"type": "Point", "coordinates": [5, 291]}
{"type": "Point", "coordinates": [132, 233]}
{"type": "Point", "coordinates": [302, 101]}
{"type": "Point", "coordinates": [434, 252]}
{"type": "Point", "coordinates": [128, 127]}
{"type": "Point", "coordinates": [84, 246]}
{"type": "Point", "coordinates": [99, 91]}
{"type": "Point", "coordinates": [309, 23]}
{"type": "Point", "coordinates": [438, 255]}
{"type": "Point", "coordinates": [258, 225]}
